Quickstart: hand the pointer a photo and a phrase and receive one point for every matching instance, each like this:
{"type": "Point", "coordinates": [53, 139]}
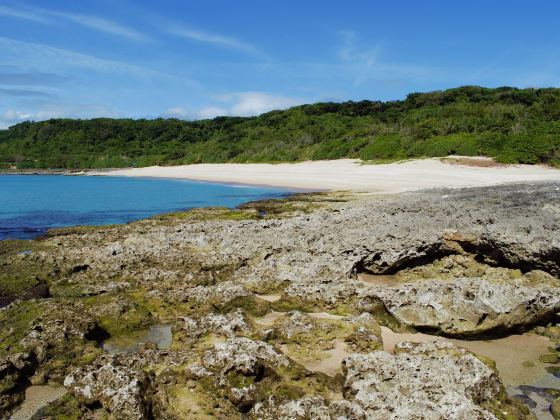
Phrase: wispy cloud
{"type": "Point", "coordinates": [15, 76]}
{"type": "Point", "coordinates": [23, 14]}
{"type": "Point", "coordinates": [255, 103]}
{"type": "Point", "coordinates": [101, 24]}
{"type": "Point", "coordinates": [365, 63]}
{"type": "Point", "coordinates": [30, 93]}
{"type": "Point", "coordinates": [218, 40]}
{"type": "Point", "coordinates": [75, 59]}
{"type": "Point", "coordinates": [97, 23]}
{"type": "Point", "coordinates": [211, 112]}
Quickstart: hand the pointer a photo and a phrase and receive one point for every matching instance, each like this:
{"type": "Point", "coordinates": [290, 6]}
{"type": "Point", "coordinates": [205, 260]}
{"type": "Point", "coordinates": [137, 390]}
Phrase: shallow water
{"type": "Point", "coordinates": [160, 335]}
{"type": "Point", "coordinates": [37, 397]}
{"type": "Point", "coordinates": [32, 204]}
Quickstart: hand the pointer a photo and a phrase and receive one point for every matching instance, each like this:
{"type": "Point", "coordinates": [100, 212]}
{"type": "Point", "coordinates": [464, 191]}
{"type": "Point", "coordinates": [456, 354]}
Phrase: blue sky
{"type": "Point", "coordinates": [199, 59]}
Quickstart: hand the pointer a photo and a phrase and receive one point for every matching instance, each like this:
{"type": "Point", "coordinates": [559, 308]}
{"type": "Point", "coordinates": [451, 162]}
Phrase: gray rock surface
{"type": "Point", "coordinates": [121, 388]}
{"type": "Point", "coordinates": [469, 306]}
{"type": "Point", "coordinates": [471, 262]}
{"type": "Point", "coordinates": [431, 380]}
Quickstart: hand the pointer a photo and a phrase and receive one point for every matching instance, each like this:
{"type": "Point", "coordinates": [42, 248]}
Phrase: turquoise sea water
{"type": "Point", "coordinates": [32, 204]}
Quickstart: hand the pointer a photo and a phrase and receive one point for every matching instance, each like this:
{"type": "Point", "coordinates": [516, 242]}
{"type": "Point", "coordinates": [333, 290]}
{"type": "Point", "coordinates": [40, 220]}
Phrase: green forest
{"type": "Point", "coordinates": [513, 125]}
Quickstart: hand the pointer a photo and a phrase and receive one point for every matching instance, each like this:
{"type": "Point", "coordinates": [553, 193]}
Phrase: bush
{"type": "Point", "coordinates": [515, 125]}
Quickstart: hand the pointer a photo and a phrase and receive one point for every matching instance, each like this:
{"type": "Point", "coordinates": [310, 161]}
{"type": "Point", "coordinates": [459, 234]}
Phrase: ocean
{"type": "Point", "coordinates": [32, 204]}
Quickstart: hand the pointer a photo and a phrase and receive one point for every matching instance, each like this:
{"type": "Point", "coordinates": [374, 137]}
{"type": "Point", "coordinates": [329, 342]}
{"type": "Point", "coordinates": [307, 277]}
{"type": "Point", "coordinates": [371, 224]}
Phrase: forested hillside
{"type": "Point", "coordinates": [513, 125]}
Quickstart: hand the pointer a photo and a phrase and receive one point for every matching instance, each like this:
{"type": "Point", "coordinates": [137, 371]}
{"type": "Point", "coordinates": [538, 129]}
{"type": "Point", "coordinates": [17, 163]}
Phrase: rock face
{"type": "Point", "coordinates": [13, 373]}
{"type": "Point", "coordinates": [189, 330]}
{"type": "Point", "coordinates": [469, 306]}
{"type": "Point", "coordinates": [244, 356]}
{"type": "Point", "coordinates": [121, 388]}
{"type": "Point", "coordinates": [432, 380]}
{"type": "Point", "coordinates": [469, 262]}
{"type": "Point", "coordinates": [308, 408]}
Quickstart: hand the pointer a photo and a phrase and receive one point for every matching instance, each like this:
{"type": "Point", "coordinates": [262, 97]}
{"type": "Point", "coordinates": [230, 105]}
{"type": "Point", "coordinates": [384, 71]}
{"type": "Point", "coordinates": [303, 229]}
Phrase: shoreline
{"type": "Point", "coordinates": [349, 175]}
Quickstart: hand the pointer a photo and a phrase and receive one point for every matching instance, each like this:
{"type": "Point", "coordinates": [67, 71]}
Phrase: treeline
{"type": "Point", "coordinates": [512, 125]}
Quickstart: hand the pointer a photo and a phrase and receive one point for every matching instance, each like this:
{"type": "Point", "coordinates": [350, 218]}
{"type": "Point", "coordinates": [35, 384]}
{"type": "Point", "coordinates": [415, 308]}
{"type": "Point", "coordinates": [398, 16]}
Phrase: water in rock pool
{"type": "Point", "coordinates": [32, 204]}
{"type": "Point", "coordinates": [159, 334]}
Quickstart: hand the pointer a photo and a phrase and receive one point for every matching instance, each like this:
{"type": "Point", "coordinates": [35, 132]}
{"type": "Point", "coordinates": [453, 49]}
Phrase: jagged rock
{"type": "Point", "coordinates": [307, 408]}
{"type": "Point", "coordinates": [222, 292]}
{"type": "Point", "coordinates": [244, 370]}
{"type": "Point", "coordinates": [14, 371]}
{"type": "Point", "coordinates": [204, 268]}
{"type": "Point", "coordinates": [310, 407]}
{"type": "Point", "coordinates": [242, 355]}
{"type": "Point", "coordinates": [122, 388]}
{"type": "Point", "coordinates": [433, 380]}
{"type": "Point", "coordinates": [322, 292]}
{"type": "Point", "coordinates": [366, 334]}
{"type": "Point", "coordinates": [295, 323]}
{"type": "Point", "coordinates": [469, 306]}
{"type": "Point", "coordinates": [190, 330]}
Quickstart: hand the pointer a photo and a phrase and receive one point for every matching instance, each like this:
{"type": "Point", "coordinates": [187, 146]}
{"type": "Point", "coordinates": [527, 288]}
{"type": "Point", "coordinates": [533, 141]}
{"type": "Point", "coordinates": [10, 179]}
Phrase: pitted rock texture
{"type": "Point", "coordinates": [469, 306]}
{"type": "Point", "coordinates": [121, 388]}
{"type": "Point", "coordinates": [244, 356]}
{"type": "Point", "coordinates": [308, 408]}
{"type": "Point", "coordinates": [495, 252]}
{"type": "Point", "coordinates": [509, 224]}
{"type": "Point", "coordinates": [190, 330]}
{"type": "Point", "coordinates": [433, 380]}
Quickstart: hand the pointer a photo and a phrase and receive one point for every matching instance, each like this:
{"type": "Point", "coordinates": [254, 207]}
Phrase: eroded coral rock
{"type": "Point", "coordinates": [243, 355]}
{"type": "Point", "coordinates": [123, 389]}
{"type": "Point", "coordinates": [431, 380]}
{"type": "Point", "coordinates": [469, 306]}
{"type": "Point", "coordinates": [189, 330]}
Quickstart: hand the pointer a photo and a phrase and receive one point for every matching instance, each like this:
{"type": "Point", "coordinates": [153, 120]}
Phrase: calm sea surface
{"type": "Point", "coordinates": [31, 204]}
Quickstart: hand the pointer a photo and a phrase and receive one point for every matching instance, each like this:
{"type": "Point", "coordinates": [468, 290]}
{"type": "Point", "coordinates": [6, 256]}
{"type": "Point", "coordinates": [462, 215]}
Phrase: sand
{"type": "Point", "coordinates": [347, 174]}
{"type": "Point", "coordinates": [37, 397]}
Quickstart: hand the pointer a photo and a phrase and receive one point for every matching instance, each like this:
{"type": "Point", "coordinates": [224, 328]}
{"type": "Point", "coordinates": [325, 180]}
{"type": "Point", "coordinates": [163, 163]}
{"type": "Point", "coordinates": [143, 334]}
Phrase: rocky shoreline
{"type": "Point", "coordinates": [270, 314]}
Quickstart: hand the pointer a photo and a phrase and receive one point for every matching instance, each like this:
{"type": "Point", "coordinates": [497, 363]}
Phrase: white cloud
{"type": "Point", "coordinates": [255, 103]}
{"type": "Point", "coordinates": [11, 117]}
{"type": "Point", "coordinates": [240, 104]}
{"type": "Point", "coordinates": [211, 112]}
{"type": "Point", "coordinates": [178, 112]}
{"type": "Point", "coordinates": [58, 110]}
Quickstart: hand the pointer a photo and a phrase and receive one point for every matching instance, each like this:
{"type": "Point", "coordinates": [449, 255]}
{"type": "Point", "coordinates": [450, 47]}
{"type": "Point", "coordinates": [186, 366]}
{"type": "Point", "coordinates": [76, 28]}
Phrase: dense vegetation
{"type": "Point", "coordinates": [513, 125]}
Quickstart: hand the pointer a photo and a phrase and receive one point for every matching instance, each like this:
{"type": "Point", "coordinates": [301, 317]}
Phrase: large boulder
{"type": "Point", "coordinates": [469, 306]}
{"type": "Point", "coordinates": [189, 331]}
{"type": "Point", "coordinates": [433, 380]}
{"type": "Point", "coordinates": [121, 387]}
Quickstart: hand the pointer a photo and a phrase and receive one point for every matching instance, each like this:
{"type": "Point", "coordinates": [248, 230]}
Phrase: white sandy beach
{"type": "Point", "coordinates": [347, 174]}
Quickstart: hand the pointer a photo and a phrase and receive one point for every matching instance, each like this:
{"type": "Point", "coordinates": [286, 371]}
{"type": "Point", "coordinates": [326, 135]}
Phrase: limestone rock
{"type": "Point", "coordinates": [189, 330]}
{"type": "Point", "coordinates": [469, 306]}
{"type": "Point", "coordinates": [294, 323]}
{"type": "Point", "coordinates": [307, 408]}
{"type": "Point", "coordinates": [121, 388]}
{"type": "Point", "coordinates": [431, 380]}
{"type": "Point", "coordinates": [243, 355]}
